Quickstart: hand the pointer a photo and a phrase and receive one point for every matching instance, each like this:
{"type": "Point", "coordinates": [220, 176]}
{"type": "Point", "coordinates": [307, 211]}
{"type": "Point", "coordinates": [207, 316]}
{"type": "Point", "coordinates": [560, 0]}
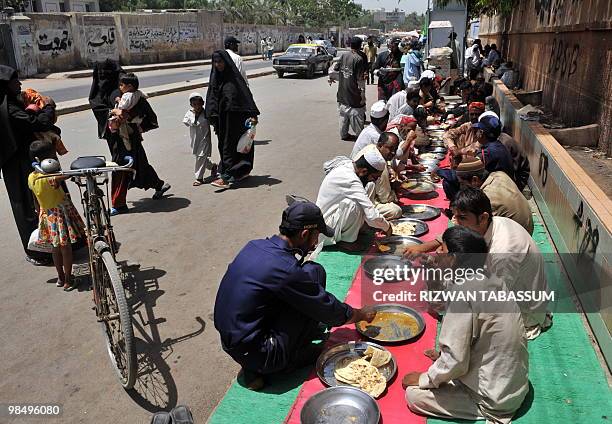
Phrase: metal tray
{"type": "Point", "coordinates": [398, 244]}
{"type": "Point", "coordinates": [326, 362]}
{"type": "Point", "coordinates": [435, 149]}
{"type": "Point", "coordinates": [432, 128]}
{"type": "Point", "coordinates": [385, 262]}
{"type": "Point", "coordinates": [338, 405]}
{"type": "Point", "coordinates": [420, 226]}
{"type": "Point", "coordinates": [392, 330]}
{"type": "Point", "coordinates": [429, 212]}
{"type": "Point", "coordinates": [431, 156]}
{"type": "Point", "coordinates": [417, 187]}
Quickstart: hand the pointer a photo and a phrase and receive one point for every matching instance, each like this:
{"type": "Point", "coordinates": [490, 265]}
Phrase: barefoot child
{"type": "Point", "coordinates": [59, 223]}
{"type": "Point", "coordinates": [199, 132]}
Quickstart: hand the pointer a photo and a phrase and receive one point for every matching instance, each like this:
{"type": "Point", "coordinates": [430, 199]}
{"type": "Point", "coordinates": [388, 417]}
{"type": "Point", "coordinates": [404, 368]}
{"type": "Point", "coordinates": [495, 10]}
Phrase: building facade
{"type": "Point", "coordinates": [390, 19]}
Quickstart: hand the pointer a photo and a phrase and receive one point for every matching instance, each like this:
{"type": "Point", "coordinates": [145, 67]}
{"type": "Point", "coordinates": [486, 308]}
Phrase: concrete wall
{"type": "Point", "coordinates": [57, 42]}
{"type": "Point", "coordinates": [563, 47]}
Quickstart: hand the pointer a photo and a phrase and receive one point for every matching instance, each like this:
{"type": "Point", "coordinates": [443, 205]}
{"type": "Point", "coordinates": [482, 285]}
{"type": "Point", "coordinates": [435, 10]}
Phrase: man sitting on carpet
{"type": "Point", "coordinates": [269, 303]}
{"type": "Point", "coordinates": [481, 369]}
{"type": "Point", "coordinates": [464, 140]}
{"type": "Point", "coordinates": [506, 199]}
{"type": "Point", "coordinates": [379, 117]}
{"type": "Point", "coordinates": [343, 199]}
{"type": "Point", "coordinates": [380, 192]}
{"type": "Point", "coordinates": [513, 255]}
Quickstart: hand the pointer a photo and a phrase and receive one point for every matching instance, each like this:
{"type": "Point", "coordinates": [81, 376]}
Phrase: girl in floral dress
{"type": "Point", "coordinates": [59, 224]}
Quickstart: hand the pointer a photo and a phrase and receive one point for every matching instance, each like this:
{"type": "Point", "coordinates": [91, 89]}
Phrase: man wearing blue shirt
{"type": "Point", "coordinates": [270, 302]}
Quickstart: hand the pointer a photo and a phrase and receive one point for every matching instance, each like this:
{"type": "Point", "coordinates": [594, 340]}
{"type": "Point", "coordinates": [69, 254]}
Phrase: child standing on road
{"type": "Point", "coordinates": [59, 223]}
{"type": "Point", "coordinates": [199, 132]}
{"type": "Point", "coordinates": [130, 96]}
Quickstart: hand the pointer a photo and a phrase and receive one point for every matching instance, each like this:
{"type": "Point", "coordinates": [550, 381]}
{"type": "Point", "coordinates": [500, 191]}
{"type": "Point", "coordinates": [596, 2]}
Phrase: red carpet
{"type": "Point", "coordinates": [409, 356]}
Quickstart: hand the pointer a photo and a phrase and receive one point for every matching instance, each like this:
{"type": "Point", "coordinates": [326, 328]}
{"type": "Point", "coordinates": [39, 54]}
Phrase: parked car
{"type": "Point", "coordinates": [328, 46]}
{"type": "Point", "coordinates": [303, 59]}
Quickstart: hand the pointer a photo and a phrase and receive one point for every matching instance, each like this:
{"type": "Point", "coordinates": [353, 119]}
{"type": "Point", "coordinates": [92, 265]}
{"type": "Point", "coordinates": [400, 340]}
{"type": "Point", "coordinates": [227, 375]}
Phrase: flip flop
{"type": "Point", "coordinates": [72, 286]}
{"type": "Point", "coordinates": [197, 183]}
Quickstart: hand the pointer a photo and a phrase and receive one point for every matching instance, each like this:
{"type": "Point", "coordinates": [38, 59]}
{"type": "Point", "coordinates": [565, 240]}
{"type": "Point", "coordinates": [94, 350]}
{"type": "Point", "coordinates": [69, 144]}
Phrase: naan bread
{"type": "Point", "coordinates": [378, 357]}
{"type": "Point", "coordinates": [361, 373]}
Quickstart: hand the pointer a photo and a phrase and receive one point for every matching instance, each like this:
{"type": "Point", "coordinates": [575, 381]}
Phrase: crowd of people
{"type": "Point", "coordinates": [272, 302]}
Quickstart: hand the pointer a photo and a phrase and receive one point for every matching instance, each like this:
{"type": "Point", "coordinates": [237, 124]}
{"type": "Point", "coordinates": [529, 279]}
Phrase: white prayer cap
{"type": "Point", "coordinates": [427, 74]}
{"type": "Point", "coordinates": [488, 113]}
{"type": "Point", "coordinates": [194, 95]}
{"type": "Point", "coordinates": [375, 159]}
{"type": "Point", "coordinates": [379, 109]}
{"type": "Point", "coordinates": [413, 84]}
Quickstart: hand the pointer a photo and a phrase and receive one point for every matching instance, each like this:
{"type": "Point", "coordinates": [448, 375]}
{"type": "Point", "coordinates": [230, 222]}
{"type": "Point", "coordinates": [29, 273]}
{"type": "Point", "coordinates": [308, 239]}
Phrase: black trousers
{"type": "Point", "coordinates": [15, 174]}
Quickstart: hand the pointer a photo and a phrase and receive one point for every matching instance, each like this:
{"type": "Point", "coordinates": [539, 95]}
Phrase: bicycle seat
{"type": "Point", "coordinates": [86, 162]}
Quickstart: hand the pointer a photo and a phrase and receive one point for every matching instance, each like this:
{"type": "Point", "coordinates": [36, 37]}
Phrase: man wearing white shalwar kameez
{"type": "Point", "coordinates": [481, 369]}
{"type": "Point", "coordinates": [343, 198]}
{"type": "Point", "coordinates": [199, 134]}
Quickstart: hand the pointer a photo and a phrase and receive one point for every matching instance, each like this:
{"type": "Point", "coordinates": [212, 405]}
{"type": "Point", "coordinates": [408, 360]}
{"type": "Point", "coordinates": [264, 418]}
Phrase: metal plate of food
{"type": "Point", "coordinates": [396, 245]}
{"type": "Point", "coordinates": [434, 149]}
{"type": "Point", "coordinates": [409, 227]}
{"type": "Point", "coordinates": [432, 127]}
{"type": "Point", "coordinates": [393, 323]}
{"type": "Point", "coordinates": [384, 262]}
{"type": "Point", "coordinates": [421, 212]}
{"type": "Point", "coordinates": [417, 187]}
{"type": "Point", "coordinates": [431, 156]}
{"type": "Point", "coordinates": [338, 405]}
{"type": "Point", "coordinates": [437, 143]}
{"type": "Point", "coordinates": [335, 355]}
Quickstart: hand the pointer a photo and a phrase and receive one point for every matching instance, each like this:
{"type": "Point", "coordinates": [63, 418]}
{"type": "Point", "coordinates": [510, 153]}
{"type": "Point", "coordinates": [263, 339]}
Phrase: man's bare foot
{"type": "Point", "coordinates": [432, 354]}
{"type": "Point", "coordinates": [251, 380]}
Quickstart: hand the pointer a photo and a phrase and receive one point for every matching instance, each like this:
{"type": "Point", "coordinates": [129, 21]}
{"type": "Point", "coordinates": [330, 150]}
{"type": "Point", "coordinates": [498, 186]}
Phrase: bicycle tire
{"type": "Point", "coordinates": [127, 378]}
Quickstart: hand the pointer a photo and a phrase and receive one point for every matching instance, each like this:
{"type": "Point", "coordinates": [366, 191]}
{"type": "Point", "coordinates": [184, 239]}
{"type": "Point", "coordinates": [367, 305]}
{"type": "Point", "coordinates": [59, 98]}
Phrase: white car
{"type": "Point", "coordinates": [328, 46]}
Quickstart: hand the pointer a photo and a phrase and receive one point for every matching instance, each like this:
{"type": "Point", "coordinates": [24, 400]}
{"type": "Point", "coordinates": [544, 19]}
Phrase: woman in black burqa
{"type": "Point", "coordinates": [229, 106]}
{"type": "Point", "coordinates": [17, 127]}
{"type": "Point", "coordinates": [104, 91]}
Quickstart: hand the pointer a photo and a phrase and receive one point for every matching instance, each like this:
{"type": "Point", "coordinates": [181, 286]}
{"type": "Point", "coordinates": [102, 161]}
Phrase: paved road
{"type": "Point", "coordinates": [52, 349]}
{"type": "Point", "coordinates": [69, 89]}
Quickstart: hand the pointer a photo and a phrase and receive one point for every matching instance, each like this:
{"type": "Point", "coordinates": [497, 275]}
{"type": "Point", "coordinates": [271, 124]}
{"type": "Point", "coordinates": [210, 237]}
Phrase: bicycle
{"type": "Point", "coordinates": [111, 307]}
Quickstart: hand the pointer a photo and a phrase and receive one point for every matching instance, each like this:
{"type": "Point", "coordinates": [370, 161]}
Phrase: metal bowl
{"type": "Point", "coordinates": [326, 362]}
{"type": "Point", "coordinates": [397, 244]}
{"type": "Point", "coordinates": [422, 212]}
{"type": "Point", "coordinates": [392, 326]}
{"type": "Point", "coordinates": [430, 165]}
{"type": "Point", "coordinates": [384, 262]}
{"type": "Point", "coordinates": [435, 149]}
{"type": "Point", "coordinates": [340, 404]}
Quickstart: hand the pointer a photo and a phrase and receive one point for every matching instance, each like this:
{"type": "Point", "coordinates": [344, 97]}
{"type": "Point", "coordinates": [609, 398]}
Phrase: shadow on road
{"type": "Point", "coordinates": [155, 389]}
{"type": "Point", "coordinates": [165, 204]}
{"type": "Point", "coordinates": [261, 142]}
{"type": "Point", "coordinates": [257, 180]}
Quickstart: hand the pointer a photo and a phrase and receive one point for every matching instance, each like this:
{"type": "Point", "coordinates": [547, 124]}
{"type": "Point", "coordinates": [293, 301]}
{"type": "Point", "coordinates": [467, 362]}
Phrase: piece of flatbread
{"type": "Point", "coordinates": [380, 358]}
{"type": "Point", "coordinates": [360, 373]}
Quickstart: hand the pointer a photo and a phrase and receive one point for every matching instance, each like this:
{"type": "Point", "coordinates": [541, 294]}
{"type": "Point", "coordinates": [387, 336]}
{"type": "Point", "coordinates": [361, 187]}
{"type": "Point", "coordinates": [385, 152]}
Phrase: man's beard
{"type": "Point", "coordinates": [364, 180]}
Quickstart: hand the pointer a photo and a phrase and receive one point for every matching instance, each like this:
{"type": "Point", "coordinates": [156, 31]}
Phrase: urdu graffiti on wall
{"type": "Point", "coordinates": [101, 42]}
{"type": "Point", "coordinates": [143, 38]}
{"type": "Point", "coordinates": [188, 31]}
{"type": "Point", "coordinates": [54, 42]}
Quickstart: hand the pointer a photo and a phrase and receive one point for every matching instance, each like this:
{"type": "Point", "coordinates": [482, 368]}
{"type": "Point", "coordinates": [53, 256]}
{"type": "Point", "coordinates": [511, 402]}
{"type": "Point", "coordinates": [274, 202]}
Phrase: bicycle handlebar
{"type": "Point", "coordinates": [87, 171]}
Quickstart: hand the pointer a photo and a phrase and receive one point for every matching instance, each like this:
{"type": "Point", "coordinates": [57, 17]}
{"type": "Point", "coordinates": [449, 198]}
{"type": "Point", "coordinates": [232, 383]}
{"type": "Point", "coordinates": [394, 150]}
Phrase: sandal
{"type": "Point", "coordinates": [59, 283]}
{"type": "Point", "coordinates": [197, 183]}
{"type": "Point", "coordinates": [73, 285]}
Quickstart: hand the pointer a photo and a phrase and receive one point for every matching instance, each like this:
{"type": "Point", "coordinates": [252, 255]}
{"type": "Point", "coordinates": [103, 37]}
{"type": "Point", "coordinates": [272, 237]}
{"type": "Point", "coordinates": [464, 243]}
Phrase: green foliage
{"type": "Point", "coordinates": [311, 13]}
{"type": "Point", "coordinates": [485, 7]}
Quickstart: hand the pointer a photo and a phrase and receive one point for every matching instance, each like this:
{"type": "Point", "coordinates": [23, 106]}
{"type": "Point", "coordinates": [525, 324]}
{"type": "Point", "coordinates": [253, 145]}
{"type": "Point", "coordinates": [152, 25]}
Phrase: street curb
{"type": "Point", "coordinates": [79, 105]}
{"type": "Point", "coordinates": [141, 68]}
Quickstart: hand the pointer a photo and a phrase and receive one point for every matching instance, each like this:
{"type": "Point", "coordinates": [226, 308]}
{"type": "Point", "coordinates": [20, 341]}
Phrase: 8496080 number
{"type": "Point", "coordinates": [8, 410]}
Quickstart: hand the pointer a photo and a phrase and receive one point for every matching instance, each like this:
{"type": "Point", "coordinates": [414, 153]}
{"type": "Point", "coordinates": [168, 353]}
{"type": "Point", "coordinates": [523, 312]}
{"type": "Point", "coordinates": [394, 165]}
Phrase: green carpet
{"type": "Point", "coordinates": [568, 382]}
{"type": "Point", "coordinates": [271, 406]}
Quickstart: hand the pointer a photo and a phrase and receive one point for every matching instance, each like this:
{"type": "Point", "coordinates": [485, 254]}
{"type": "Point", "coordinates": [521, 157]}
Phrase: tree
{"type": "Point", "coordinates": [484, 7]}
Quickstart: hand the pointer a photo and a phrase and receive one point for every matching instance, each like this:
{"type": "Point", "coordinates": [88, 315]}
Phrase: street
{"type": "Point", "coordinates": [62, 90]}
{"type": "Point", "coordinates": [53, 350]}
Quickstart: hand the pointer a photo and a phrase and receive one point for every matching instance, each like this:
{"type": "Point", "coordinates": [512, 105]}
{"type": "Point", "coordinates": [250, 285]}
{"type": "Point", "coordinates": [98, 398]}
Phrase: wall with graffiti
{"type": "Point", "coordinates": [57, 42]}
{"type": "Point", "coordinates": [570, 47]}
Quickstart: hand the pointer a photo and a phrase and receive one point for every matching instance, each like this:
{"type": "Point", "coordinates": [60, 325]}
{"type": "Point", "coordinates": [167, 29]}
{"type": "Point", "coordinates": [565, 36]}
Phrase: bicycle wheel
{"type": "Point", "coordinates": [116, 320]}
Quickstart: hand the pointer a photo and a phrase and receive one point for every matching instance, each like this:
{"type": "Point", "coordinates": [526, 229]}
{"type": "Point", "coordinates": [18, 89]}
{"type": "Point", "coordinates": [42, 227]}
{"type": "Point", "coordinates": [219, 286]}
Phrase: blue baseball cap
{"type": "Point", "coordinates": [305, 216]}
{"type": "Point", "coordinates": [489, 124]}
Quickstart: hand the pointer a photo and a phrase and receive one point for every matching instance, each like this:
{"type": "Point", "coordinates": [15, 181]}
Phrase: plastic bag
{"type": "Point", "coordinates": [245, 144]}
{"type": "Point", "coordinates": [37, 247]}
